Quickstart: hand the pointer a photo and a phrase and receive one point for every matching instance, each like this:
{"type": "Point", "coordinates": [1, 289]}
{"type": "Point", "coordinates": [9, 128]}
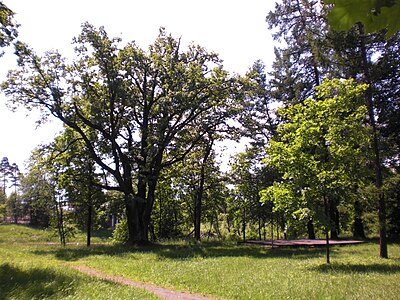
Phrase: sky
{"type": "Point", "coordinates": [235, 29]}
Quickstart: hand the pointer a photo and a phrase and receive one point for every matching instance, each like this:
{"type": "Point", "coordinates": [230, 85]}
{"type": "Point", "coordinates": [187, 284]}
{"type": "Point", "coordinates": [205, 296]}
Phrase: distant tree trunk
{"type": "Point", "coordinates": [328, 260]}
{"type": "Point", "coordinates": [211, 226]}
{"type": "Point", "coordinates": [89, 207]}
{"type": "Point", "coordinates": [160, 217]}
{"type": "Point", "coordinates": [265, 229]}
{"type": "Point", "coordinates": [326, 205]}
{"type": "Point", "coordinates": [272, 229]}
{"type": "Point", "coordinates": [383, 251]}
{"type": "Point", "coordinates": [259, 229]}
{"type": "Point", "coordinates": [148, 205]}
{"type": "Point", "coordinates": [14, 209]}
{"type": "Point", "coordinates": [152, 232]}
{"type": "Point", "coordinates": [278, 236]}
{"type": "Point", "coordinates": [217, 225]}
{"type": "Point", "coordinates": [311, 229]}
{"type": "Point", "coordinates": [358, 231]}
{"type": "Point", "coordinates": [334, 217]}
{"type": "Point", "coordinates": [228, 222]}
{"type": "Point", "coordinates": [89, 222]}
{"type": "Point", "coordinates": [60, 222]}
{"type": "Point", "coordinates": [200, 190]}
{"type": "Point", "coordinates": [244, 224]}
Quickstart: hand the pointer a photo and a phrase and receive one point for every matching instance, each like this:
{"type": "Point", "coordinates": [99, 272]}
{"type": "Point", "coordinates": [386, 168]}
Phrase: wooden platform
{"type": "Point", "coordinates": [300, 243]}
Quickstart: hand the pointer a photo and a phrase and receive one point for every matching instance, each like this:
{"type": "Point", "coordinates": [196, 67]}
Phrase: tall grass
{"type": "Point", "coordinates": [25, 273]}
{"type": "Point", "coordinates": [243, 272]}
{"type": "Point", "coordinates": [223, 270]}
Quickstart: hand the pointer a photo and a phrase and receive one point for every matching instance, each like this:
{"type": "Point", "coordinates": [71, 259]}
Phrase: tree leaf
{"type": "Point", "coordinates": [374, 14]}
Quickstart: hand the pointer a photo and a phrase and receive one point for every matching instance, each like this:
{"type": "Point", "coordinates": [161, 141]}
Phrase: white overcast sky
{"type": "Point", "coordinates": [235, 29]}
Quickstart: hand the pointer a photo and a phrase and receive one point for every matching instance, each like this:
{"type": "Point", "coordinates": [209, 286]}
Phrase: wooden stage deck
{"type": "Point", "coordinates": [300, 243]}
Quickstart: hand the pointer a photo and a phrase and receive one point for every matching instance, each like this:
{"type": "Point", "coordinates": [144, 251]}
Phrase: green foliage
{"type": "Point", "coordinates": [63, 225]}
{"type": "Point", "coordinates": [303, 56]}
{"type": "Point", "coordinates": [3, 199]}
{"type": "Point", "coordinates": [375, 15]}
{"type": "Point", "coordinates": [320, 150]}
{"type": "Point", "coordinates": [120, 233]}
{"type": "Point", "coordinates": [249, 178]}
{"type": "Point", "coordinates": [257, 112]}
{"type": "Point", "coordinates": [37, 191]}
{"type": "Point", "coordinates": [8, 28]}
{"type": "Point", "coordinates": [172, 217]}
{"type": "Point", "coordinates": [392, 193]}
{"type": "Point", "coordinates": [14, 207]}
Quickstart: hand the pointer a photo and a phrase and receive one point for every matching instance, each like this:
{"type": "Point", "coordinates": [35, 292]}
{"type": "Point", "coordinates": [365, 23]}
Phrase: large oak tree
{"type": "Point", "coordinates": [137, 111]}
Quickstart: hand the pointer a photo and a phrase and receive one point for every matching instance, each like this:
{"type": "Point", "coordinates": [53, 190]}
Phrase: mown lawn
{"type": "Point", "coordinates": [221, 270]}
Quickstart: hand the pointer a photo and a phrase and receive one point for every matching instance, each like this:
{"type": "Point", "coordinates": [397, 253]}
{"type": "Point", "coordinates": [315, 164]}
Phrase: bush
{"type": "Point", "coordinates": [120, 234]}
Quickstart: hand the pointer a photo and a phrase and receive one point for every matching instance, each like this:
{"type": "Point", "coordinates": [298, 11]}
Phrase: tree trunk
{"type": "Point", "coordinates": [89, 223]}
{"type": "Point", "coordinates": [200, 191]}
{"type": "Point", "coordinates": [217, 226]}
{"type": "Point", "coordinates": [134, 211]}
{"type": "Point", "coordinates": [211, 226]}
{"type": "Point", "coordinates": [310, 229]}
{"type": "Point", "coordinates": [334, 217]}
{"type": "Point", "coordinates": [148, 205]}
{"type": "Point", "coordinates": [160, 217]}
{"type": "Point", "coordinates": [272, 230]}
{"type": "Point", "coordinates": [228, 223]}
{"type": "Point", "coordinates": [197, 214]}
{"type": "Point", "coordinates": [358, 231]}
{"type": "Point", "coordinates": [383, 251]}
{"type": "Point", "coordinates": [138, 210]}
{"type": "Point", "coordinates": [327, 216]}
{"type": "Point", "coordinates": [244, 224]}
{"type": "Point", "coordinates": [60, 222]}
{"type": "Point", "coordinates": [14, 209]}
{"type": "Point", "coordinates": [328, 252]}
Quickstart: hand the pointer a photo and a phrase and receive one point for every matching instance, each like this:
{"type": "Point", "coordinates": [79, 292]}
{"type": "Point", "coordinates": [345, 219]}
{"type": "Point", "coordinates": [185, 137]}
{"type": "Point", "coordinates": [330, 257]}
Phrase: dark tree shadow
{"type": "Point", "coordinates": [16, 283]}
{"type": "Point", "coordinates": [183, 251]}
{"type": "Point", "coordinates": [357, 268]}
{"type": "Point", "coordinates": [73, 253]}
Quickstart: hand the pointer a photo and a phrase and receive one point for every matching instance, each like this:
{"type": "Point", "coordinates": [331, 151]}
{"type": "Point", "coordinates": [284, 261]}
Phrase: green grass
{"type": "Point", "coordinates": [221, 270]}
{"type": "Point", "coordinates": [24, 274]}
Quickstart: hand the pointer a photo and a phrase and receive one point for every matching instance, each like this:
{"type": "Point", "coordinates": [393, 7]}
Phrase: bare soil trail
{"type": "Point", "coordinates": [163, 293]}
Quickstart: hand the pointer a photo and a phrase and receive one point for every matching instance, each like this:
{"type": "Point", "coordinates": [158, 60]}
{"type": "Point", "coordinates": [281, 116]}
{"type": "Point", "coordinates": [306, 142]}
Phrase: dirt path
{"type": "Point", "coordinates": [163, 293]}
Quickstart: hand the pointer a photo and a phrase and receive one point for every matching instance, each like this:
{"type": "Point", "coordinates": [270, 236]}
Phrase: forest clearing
{"type": "Point", "coordinates": [31, 268]}
{"type": "Point", "coordinates": [171, 174]}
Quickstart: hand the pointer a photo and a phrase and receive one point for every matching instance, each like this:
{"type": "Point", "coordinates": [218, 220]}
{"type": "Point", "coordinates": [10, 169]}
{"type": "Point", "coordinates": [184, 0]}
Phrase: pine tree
{"type": "Point", "coordinates": [302, 60]}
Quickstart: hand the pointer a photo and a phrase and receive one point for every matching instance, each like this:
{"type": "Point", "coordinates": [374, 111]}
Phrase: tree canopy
{"type": "Point", "coordinates": [8, 28]}
{"type": "Point", "coordinates": [320, 150]}
{"type": "Point", "coordinates": [137, 112]}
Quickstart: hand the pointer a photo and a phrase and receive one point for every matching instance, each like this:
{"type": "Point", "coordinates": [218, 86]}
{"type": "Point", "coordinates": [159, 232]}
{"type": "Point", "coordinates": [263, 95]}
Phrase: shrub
{"type": "Point", "coordinates": [120, 234]}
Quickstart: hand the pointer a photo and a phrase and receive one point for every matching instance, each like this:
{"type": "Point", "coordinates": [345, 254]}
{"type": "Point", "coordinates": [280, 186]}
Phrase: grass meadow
{"type": "Point", "coordinates": [33, 267]}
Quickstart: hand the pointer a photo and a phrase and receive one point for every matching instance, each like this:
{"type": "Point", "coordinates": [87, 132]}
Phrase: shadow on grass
{"type": "Point", "coordinates": [16, 283]}
{"type": "Point", "coordinates": [102, 234]}
{"type": "Point", "coordinates": [182, 251]}
{"type": "Point", "coordinates": [357, 268]}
